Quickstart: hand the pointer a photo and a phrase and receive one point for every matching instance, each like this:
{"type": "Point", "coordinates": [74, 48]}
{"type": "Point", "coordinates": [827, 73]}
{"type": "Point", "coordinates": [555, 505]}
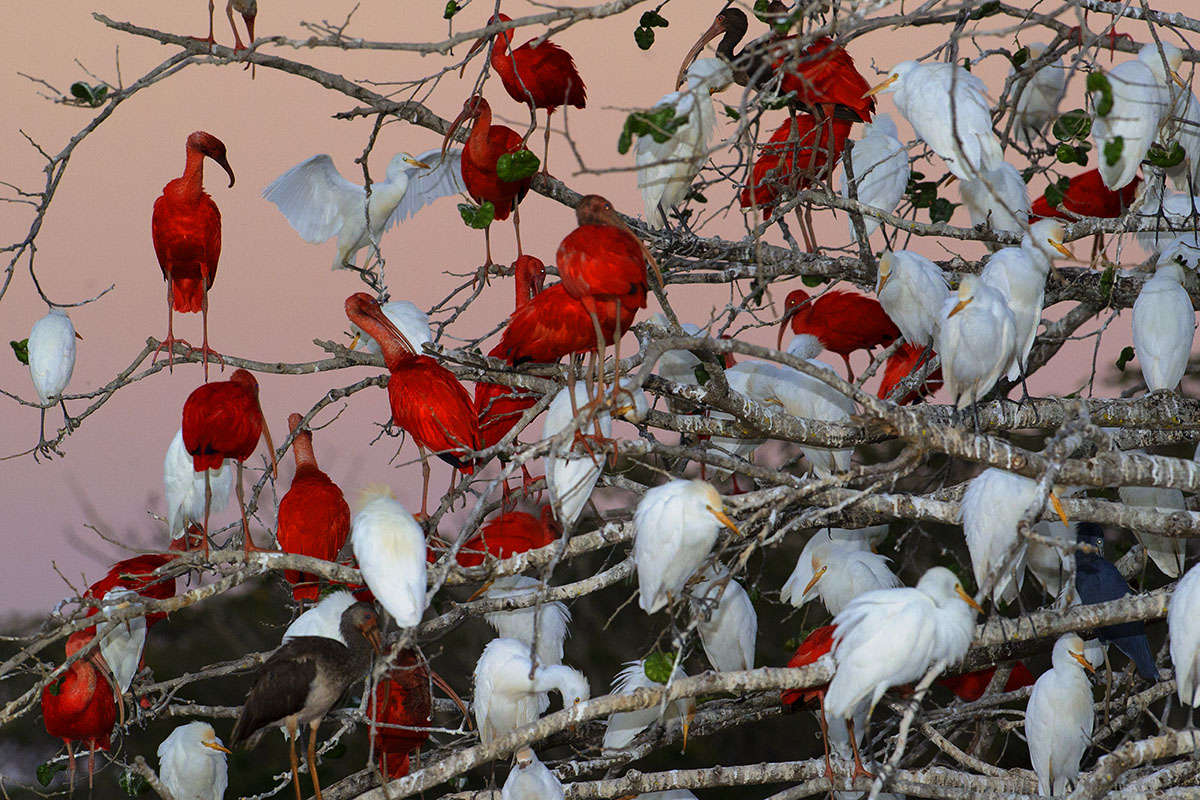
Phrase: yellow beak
{"type": "Point", "coordinates": [813, 582]}
{"type": "Point", "coordinates": [1058, 509]}
{"type": "Point", "coordinates": [480, 591]}
{"type": "Point", "coordinates": [874, 90]}
{"type": "Point", "coordinates": [420, 164]}
{"type": "Point", "coordinates": [959, 306]}
{"type": "Point", "coordinates": [224, 749]}
{"type": "Point", "coordinates": [967, 598]}
{"type": "Point", "coordinates": [354, 343]}
{"type": "Point", "coordinates": [1083, 662]}
{"type": "Point", "coordinates": [884, 277]}
{"type": "Point", "coordinates": [724, 519]}
{"type": "Point", "coordinates": [1060, 247]}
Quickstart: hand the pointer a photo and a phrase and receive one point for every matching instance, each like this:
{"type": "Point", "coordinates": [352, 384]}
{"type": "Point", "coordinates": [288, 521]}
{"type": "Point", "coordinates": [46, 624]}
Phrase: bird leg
{"type": "Point", "coordinates": [425, 481]}
{"type": "Point", "coordinates": [237, 40]}
{"type": "Point", "coordinates": [208, 38]}
{"type": "Point", "coordinates": [70, 767]}
{"type": "Point", "coordinates": [859, 770]}
{"type": "Point", "coordinates": [312, 757]}
{"type": "Point", "coordinates": [205, 350]}
{"type": "Point", "coordinates": [825, 737]}
{"type": "Point", "coordinates": [207, 504]}
{"type": "Point", "coordinates": [546, 150]}
{"type": "Point", "coordinates": [292, 734]}
{"type": "Point", "coordinates": [91, 764]}
{"type": "Point", "coordinates": [517, 227]}
{"type": "Point", "coordinates": [44, 447]}
{"type": "Point", "coordinates": [249, 545]}
{"type": "Point", "coordinates": [849, 369]}
{"type": "Point", "coordinates": [169, 342]}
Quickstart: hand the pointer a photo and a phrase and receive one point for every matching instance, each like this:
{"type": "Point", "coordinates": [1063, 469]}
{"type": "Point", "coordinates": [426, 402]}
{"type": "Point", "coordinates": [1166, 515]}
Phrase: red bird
{"type": "Point", "coordinates": [137, 575]}
{"type": "Point", "coordinates": [400, 710]}
{"type": "Point", "coordinates": [81, 705]}
{"type": "Point", "coordinates": [970, 686]}
{"type": "Point", "coordinates": [485, 144]}
{"type": "Point", "coordinates": [815, 645]}
{"type": "Point", "coordinates": [225, 420]}
{"type": "Point", "coordinates": [555, 324]}
{"type": "Point", "coordinates": [426, 399]}
{"type": "Point", "coordinates": [507, 535]}
{"type": "Point", "coordinates": [186, 228]}
{"type": "Point", "coordinates": [314, 519]}
{"type": "Point", "coordinates": [1087, 196]}
{"type": "Point", "coordinates": [899, 366]}
{"type": "Point", "coordinates": [540, 76]}
{"type": "Point", "coordinates": [602, 259]}
{"type": "Point", "coordinates": [842, 321]}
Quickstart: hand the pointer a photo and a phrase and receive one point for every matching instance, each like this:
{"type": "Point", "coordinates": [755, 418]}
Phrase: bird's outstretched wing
{"type": "Point", "coordinates": [315, 198]}
{"type": "Point", "coordinates": [443, 178]}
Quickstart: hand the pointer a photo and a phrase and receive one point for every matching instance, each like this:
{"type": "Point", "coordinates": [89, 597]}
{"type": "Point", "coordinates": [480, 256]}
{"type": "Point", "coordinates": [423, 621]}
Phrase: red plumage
{"type": "Point", "coordinates": [793, 163]}
{"type": "Point", "coordinates": [899, 366]}
{"type": "Point", "coordinates": [223, 420]}
{"type": "Point", "coordinates": [842, 321]}
{"type": "Point", "coordinates": [815, 645]}
{"type": "Point", "coordinates": [137, 575]}
{"type": "Point", "coordinates": [825, 76]}
{"type": "Point", "coordinates": [485, 144]}
{"type": "Point", "coordinates": [601, 258]}
{"type": "Point", "coordinates": [1087, 196]}
{"type": "Point", "coordinates": [400, 703]}
{"type": "Point", "coordinates": [555, 324]}
{"type": "Point", "coordinates": [506, 535]}
{"type": "Point", "coordinates": [314, 519]}
{"type": "Point", "coordinates": [80, 704]}
{"type": "Point", "coordinates": [970, 686]}
{"type": "Point", "coordinates": [540, 77]}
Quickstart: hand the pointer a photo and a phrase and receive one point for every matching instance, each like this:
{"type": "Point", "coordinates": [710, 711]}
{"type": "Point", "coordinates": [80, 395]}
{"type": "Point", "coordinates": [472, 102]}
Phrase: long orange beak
{"type": "Point", "coordinates": [454, 126]}
{"type": "Point", "coordinates": [713, 32]}
{"type": "Point", "coordinates": [215, 746]}
{"type": "Point", "coordinates": [1058, 509]}
{"type": "Point", "coordinates": [968, 599]}
{"type": "Point", "coordinates": [480, 42]}
{"type": "Point", "coordinates": [371, 633]}
{"type": "Point", "coordinates": [724, 519]}
{"type": "Point", "coordinates": [876, 89]}
{"type": "Point", "coordinates": [1083, 662]}
{"type": "Point", "coordinates": [1060, 247]}
{"type": "Point", "coordinates": [813, 582]}
{"type": "Point", "coordinates": [959, 306]}
{"type": "Point", "coordinates": [270, 444]}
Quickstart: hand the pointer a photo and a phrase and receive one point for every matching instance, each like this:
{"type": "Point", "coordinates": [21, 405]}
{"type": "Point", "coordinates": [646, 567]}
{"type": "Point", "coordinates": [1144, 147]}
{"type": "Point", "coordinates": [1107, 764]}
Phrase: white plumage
{"type": "Point", "coordinates": [677, 365]}
{"type": "Point", "coordinates": [123, 644]}
{"type": "Point", "coordinates": [674, 528]}
{"type": "Point", "coordinates": [183, 487]}
{"type": "Point", "coordinates": [728, 623]}
{"type": "Point", "coordinates": [51, 355]}
{"type": "Point", "coordinates": [881, 170]}
{"type": "Point", "coordinates": [390, 548]}
{"type": "Point", "coordinates": [408, 319]}
{"type": "Point", "coordinates": [571, 469]}
{"type": "Point", "coordinates": [912, 290]}
{"type": "Point", "coordinates": [892, 636]}
{"type": "Point", "coordinates": [1140, 101]}
{"type": "Point", "coordinates": [1183, 127]}
{"type": "Point", "coordinates": [530, 779]}
{"type": "Point", "coordinates": [751, 379]}
{"type": "Point", "coordinates": [1038, 102]}
{"type": "Point", "coordinates": [1167, 552]}
{"type": "Point", "coordinates": [1047, 563]}
{"type": "Point", "coordinates": [323, 619]}
{"type": "Point", "coordinates": [991, 508]}
{"type": "Point", "coordinates": [996, 198]}
{"type": "Point", "coordinates": [803, 572]}
{"type": "Point", "coordinates": [837, 570]}
{"type": "Point", "coordinates": [1059, 717]}
{"type": "Point", "coordinates": [802, 395]}
{"type": "Point", "coordinates": [665, 170]}
{"type": "Point", "coordinates": [624, 727]}
{"type": "Point", "coordinates": [1182, 613]}
{"type": "Point", "coordinates": [505, 696]}
{"type": "Point", "coordinates": [976, 338]}
{"type": "Point", "coordinates": [320, 203]}
{"type": "Point", "coordinates": [192, 764]}
{"type": "Point", "coordinates": [550, 621]}
{"type": "Point", "coordinates": [1173, 237]}
{"type": "Point", "coordinates": [1164, 324]}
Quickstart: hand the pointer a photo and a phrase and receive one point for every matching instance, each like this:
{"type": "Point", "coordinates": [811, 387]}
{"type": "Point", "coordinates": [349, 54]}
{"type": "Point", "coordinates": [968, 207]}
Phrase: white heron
{"type": "Point", "coordinates": [912, 290]}
{"type": "Point", "coordinates": [530, 779]}
{"type": "Point", "coordinates": [624, 726]}
{"type": "Point", "coordinates": [960, 132]}
{"type": "Point", "coordinates": [674, 528]}
{"type": "Point", "coordinates": [1037, 105]}
{"type": "Point", "coordinates": [1140, 101]}
{"type": "Point", "coordinates": [1059, 717]}
{"type": "Point", "coordinates": [1167, 552]}
{"type": "Point", "coordinates": [665, 170]}
{"type": "Point", "coordinates": [408, 319]}
{"type": "Point", "coordinates": [51, 349]}
{"type": "Point", "coordinates": [320, 203]}
{"type": "Point", "coordinates": [390, 548]}
{"type": "Point", "coordinates": [853, 538]}
{"type": "Point", "coordinates": [727, 621]}
{"type": "Point", "coordinates": [1182, 613]}
{"type": "Point", "coordinates": [881, 170]}
{"type": "Point", "coordinates": [1046, 562]}
{"type": "Point", "coordinates": [976, 339]}
{"type": "Point", "coordinates": [323, 619]}
{"type": "Point", "coordinates": [996, 198]}
{"type": "Point", "coordinates": [1164, 325]}
{"type": "Point", "coordinates": [183, 487]}
{"type": "Point", "coordinates": [1174, 236]}
{"type": "Point", "coordinates": [802, 395]}
{"type": "Point", "coordinates": [1184, 128]}
{"type": "Point", "coordinates": [192, 763]}
{"type": "Point", "coordinates": [549, 623]}
{"type": "Point", "coordinates": [122, 645]}
{"type": "Point", "coordinates": [838, 571]}
{"type": "Point", "coordinates": [677, 365]}
{"type": "Point", "coordinates": [506, 697]}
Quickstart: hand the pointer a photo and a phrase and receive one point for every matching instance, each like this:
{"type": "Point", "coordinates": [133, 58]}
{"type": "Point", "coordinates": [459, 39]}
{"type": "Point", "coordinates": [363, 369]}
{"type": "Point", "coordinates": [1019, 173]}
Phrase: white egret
{"type": "Point", "coordinates": [1184, 128]}
{"type": "Point", "coordinates": [183, 487]}
{"type": "Point", "coordinates": [802, 395]}
{"type": "Point", "coordinates": [192, 763]}
{"type": "Point", "coordinates": [991, 508]}
{"type": "Point", "coordinates": [996, 198]}
{"type": "Point", "coordinates": [530, 779]}
{"type": "Point", "coordinates": [408, 319]}
{"type": "Point", "coordinates": [677, 365]}
{"type": "Point", "coordinates": [572, 469]}
{"type": "Point", "coordinates": [1164, 324]}
{"type": "Point", "coordinates": [323, 619]}
{"type": "Point", "coordinates": [976, 338]}
{"type": "Point", "coordinates": [506, 697]}
{"type": "Point", "coordinates": [548, 623]}
{"type": "Point", "coordinates": [728, 623]}
{"type": "Point", "coordinates": [750, 379]}
{"type": "Point", "coordinates": [837, 571]}
{"type": "Point", "coordinates": [320, 203]}
{"type": "Point", "coordinates": [1182, 613]}
{"type": "Point", "coordinates": [803, 572]}
{"type": "Point", "coordinates": [123, 644]}
{"type": "Point", "coordinates": [881, 170]}
{"type": "Point", "coordinates": [390, 548]}
{"type": "Point", "coordinates": [665, 170]}
{"type": "Point", "coordinates": [1174, 236]}
{"type": "Point", "coordinates": [51, 349]}
{"type": "Point", "coordinates": [1037, 105]}
{"type": "Point", "coordinates": [959, 131]}
{"type": "Point", "coordinates": [624, 727]}
{"type": "Point", "coordinates": [1059, 717]}
{"type": "Point", "coordinates": [1019, 275]}
{"type": "Point", "coordinates": [1167, 552]}
{"type": "Point", "coordinates": [912, 290]}
{"type": "Point", "coordinates": [674, 528]}
{"type": "Point", "coordinates": [1047, 563]}
{"type": "Point", "coordinates": [1139, 101]}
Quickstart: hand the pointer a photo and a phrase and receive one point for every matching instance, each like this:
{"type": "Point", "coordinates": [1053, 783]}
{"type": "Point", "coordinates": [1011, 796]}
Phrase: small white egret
{"type": "Point", "coordinates": [976, 338]}
{"type": "Point", "coordinates": [123, 644]}
{"type": "Point", "coordinates": [390, 548]}
{"type": "Point", "coordinates": [1164, 325]}
{"type": "Point", "coordinates": [408, 319]}
{"type": "Point", "coordinates": [1184, 127]}
{"type": "Point", "coordinates": [51, 349]}
{"type": "Point", "coordinates": [665, 170]}
{"type": "Point", "coordinates": [572, 469]}
{"type": "Point", "coordinates": [838, 571]}
{"type": "Point", "coordinates": [1138, 103]}
{"type": "Point", "coordinates": [881, 170]}
{"type": "Point", "coordinates": [1037, 105]}
{"type": "Point", "coordinates": [1047, 563]}
{"type": "Point", "coordinates": [996, 198]}
{"type": "Point", "coordinates": [802, 573]}
{"type": "Point", "coordinates": [802, 395]}
{"type": "Point", "coordinates": [1182, 613]}
{"type": "Point", "coordinates": [1167, 552]}
{"type": "Point", "coordinates": [192, 763]}
{"type": "Point", "coordinates": [183, 487]}
{"type": "Point", "coordinates": [323, 619]}
{"type": "Point", "coordinates": [677, 365]}
{"type": "Point", "coordinates": [530, 779]}
{"type": "Point", "coordinates": [320, 203]}
{"type": "Point", "coordinates": [1059, 717]}
{"type": "Point", "coordinates": [728, 623]}
{"type": "Point", "coordinates": [506, 697]}
{"type": "Point", "coordinates": [548, 623]}
{"type": "Point", "coordinates": [912, 290]}
{"type": "Point", "coordinates": [674, 528]}
{"type": "Point", "coordinates": [624, 727]}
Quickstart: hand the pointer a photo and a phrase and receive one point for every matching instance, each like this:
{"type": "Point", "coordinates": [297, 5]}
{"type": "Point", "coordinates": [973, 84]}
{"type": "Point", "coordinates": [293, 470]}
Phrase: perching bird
{"type": "Point", "coordinates": [602, 259]}
{"type": "Point", "coordinates": [137, 574]}
{"type": "Point", "coordinates": [625, 726]}
{"type": "Point", "coordinates": [51, 349]}
{"type": "Point", "coordinates": [319, 203]}
{"type": "Point", "coordinates": [123, 643]}
{"type": "Point", "coordinates": [675, 526]}
{"type": "Point", "coordinates": [192, 763]}
{"type": "Point", "coordinates": [555, 324]}
{"type": "Point", "coordinates": [81, 703]}
{"type": "Point", "coordinates": [400, 712]}
{"type": "Point", "coordinates": [1164, 325]}
{"type": "Point", "coordinates": [838, 571]}
{"type": "Point", "coordinates": [852, 538]}
{"type": "Point", "coordinates": [996, 198]}
{"type": "Point", "coordinates": [183, 487]}
{"type": "Point", "coordinates": [976, 339]}
{"type": "Point", "coordinates": [544, 624]}
{"type": "Point", "coordinates": [502, 536]}
{"type": "Point", "coordinates": [1040, 93]}
{"type": "Point", "coordinates": [1087, 196]}
{"type": "Point", "coordinates": [1182, 613]}
{"type": "Point", "coordinates": [1174, 237]}
{"type": "Point", "coordinates": [186, 229]}
{"type": "Point", "coordinates": [302, 680]}
{"type": "Point", "coordinates": [1059, 717]}
{"type": "Point", "coordinates": [959, 131]}
{"type": "Point", "coordinates": [572, 469]}
{"type": "Point", "coordinates": [390, 548]}
{"type": "Point", "coordinates": [1127, 120]}
{"type": "Point", "coordinates": [842, 321]}
{"type": "Point", "coordinates": [1047, 563]}
{"type": "Point", "coordinates": [900, 365]}
{"type": "Point", "coordinates": [726, 620]}
{"type": "Point", "coordinates": [1167, 552]}
{"type": "Point", "coordinates": [1098, 581]}
{"type": "Point", "coordinates": [530, 780]}
{"type": "Point", "coordinates": [507, 697]}
{"type": "Point", "coordinates": [881, 170]}
{"type": "Point", "coordinates": [665, 170]}
{"type": "Point", "coordinates": [314, 519]}
{"type": "Point", "coordinates": [323, 619]}
{"type": "Point", "coordinates": [225, 420]}
{"type": "Point", "coordinates": [249, 11]}
{"type": "Point", "coordinates": [911, 290]}
{"type": "Point", "coordinates": [411, 321]}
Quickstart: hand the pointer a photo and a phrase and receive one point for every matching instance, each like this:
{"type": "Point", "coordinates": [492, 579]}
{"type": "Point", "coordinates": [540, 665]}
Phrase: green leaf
{"type": "Point", "coordinates": [478, 217]}
{"type": "Point", "coordinates": [1098, 82]}
{"type": "Point", "coordinates": [966, 64]}
{"type": "Point", "coordinates": [644, 37]}
{"type": "Point", "coordinates": [1027, 174]}
{"type": "Point", "coordinates": [1065, 153]}
{"type": "Point", "coordinates": [21, 350]}
{"type": "Point", "coordinates": [1019, 58]}
{"type": "Point", "coordinates": [732, 113]}
{"type": "Point", "coordinates": [56, 687]}
{"type": "Point", "coordinates": [1126, 356]}
{"type": "Point", "coordinates": [1166, 158]}
{"type": "Point", "coordinates": [652, 19]}
{"type": "Point", "coordinates": [82, 91]}
{"type": "Point", "coordinates": [1107, 279]}
{"type": "Point", "coordinates": [1081, 153]}
{"type": "Point", "coordinates": [986, 10]}
{"type": "Point", "coordinates": [101, 93]}
{"type": "Point", "coordinates": [701, 374]}
{"type": "Point", "coordinates": [658, 666]}
{"type": "Point", "coordinates": [47, 771]}
{"type": "Point", "coordinates": [518, 166]}
{"type": "Point", "coordinates": [1113, 150]}
{"type": "Point", "coordinates": [451, 10]}
{"type": "Point", "coordinates": [812, 281]}
{"type": "Point", "coordinates": [133, 783]}
{"type": "Point", "coordinates": [1074, 124]}
{"type": "Point", "coordinates": [941, 209]}
{"type": "Point", "coordinates": [1053, 195]}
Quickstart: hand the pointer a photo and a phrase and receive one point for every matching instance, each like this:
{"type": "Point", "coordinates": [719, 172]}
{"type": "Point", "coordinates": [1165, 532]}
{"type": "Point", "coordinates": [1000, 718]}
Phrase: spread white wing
{"type": "Point", "coordinates": [315, 198]}
{"type": "Point", "coordinates": [444, 178]}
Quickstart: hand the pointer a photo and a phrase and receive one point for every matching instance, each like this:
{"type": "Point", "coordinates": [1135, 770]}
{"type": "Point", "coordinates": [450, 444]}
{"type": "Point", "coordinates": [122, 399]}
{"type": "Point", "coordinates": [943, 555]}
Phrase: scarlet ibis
{"type": "Point", "coordinates": [1139, 101]}
{"type": "Point", "coordinates": [400, 711]}
{"type": "Point", "coordinates": [555, 324]}
{"type": "Point", "coordinates": [302, 680]}
{"type": "Point", "coordinates": [976, 339]}
{"type": "Point", "coordinates": [314, 519]}
{"type": "Point", "coordinates": [911, 291]}
{"type": "Point", "coordinates": [543, 626]}
{"type": "Point", "coordinates": [881, 170]}
{"type": "Point", "coordinates": [530, 780]}
{"type": "Point", "coordinates": [184, 491]}
{"type": "Point", "coordinates": [186, 228]}
{"type": "Point", "coordinates": [81, 705]}
{"type": "Point", "coordinates": [841, 321]}
{"type": "Point", "coordinates": [1164, 324]}
{"type": "Point", "coordinates": [1037, 105]}
{"type": "Point", "coordinates": [506, 535]}
{"type": "Point", "coordinates": [485, 144]}
{"type": "Point", "coordinates": [192, 764]}
{"type": "Point", "coordinates": [624, 727]}
{"type": "Point", "coordinates": [224, 420]}
{"type": "Point", "coordinates": [51, 349]}
{"type": "Point", "coordinates": [817, 644]}
{"type": "Point", "coordinates": [390, 548]}
{"type": "Point", "coordinates": [425, 397]}
{"type": "Point", "coordinates": [509, 688]}
{"type": "Point", "coordinates": [249, 10]}
{"type": "Point", "coordinates": [539, 74]}
{"type": "Point", "coordinates": [726, 620]}
{"type": "Point", "coordinates": [970, 686]}
{"type": "Point", "coordinates": [1060, 716]}
{"type": "Point", "coordinates": [319, 203]}
{"type": "Point", "coordinates": [1087, 196]}
{"type": "Point", "coordinates": [899, 366]}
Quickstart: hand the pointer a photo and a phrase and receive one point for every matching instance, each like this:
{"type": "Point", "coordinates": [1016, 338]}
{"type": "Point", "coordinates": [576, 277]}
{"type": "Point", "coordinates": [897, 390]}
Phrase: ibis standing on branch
{"type": "Point", "coordinates": [81, 703]}
{"type": "Point", "coordinates": [842, 321]}
{"type": "Point", "coordinates": [51, 349]}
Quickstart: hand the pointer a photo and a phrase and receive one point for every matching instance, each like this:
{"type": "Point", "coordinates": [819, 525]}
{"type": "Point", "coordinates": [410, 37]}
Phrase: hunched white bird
{"type": "Point", "coordinates": [1046, 563]}
{"type": "Point", "coordinates": [390, 548]}
{"type": "Point", "coordinates": [665, 170]}
{"type": "Point", "coordinates": [1182, 613]}
{"type": "Point", "coordinates": [122, 645]}
{"type": "Point", "coordinates": [727, 621]}
{"type": "Point", "coordinates": [803, 572]}
{"type": "Point", "coordinates": [677, 365]}
{"type": "Point", "coordinates": [1038, 102]}
{"type": "Point", "coordinates": [573, 469]}
{"type": "Point", "coordinates": [1167, 552]}
{"type": "Point", "coordinates": [881, 170]}
{"type": "Point", "coordinates": [802, 395]}
{"type": "Point", "coordinates": [1174, 236]}
{"type": "Point", "coordinates": [1184, 124]}
{"type": "Point", "coordinates": [976, 338]}
{"type": "Point", "coordinates": [192, 763]}
{"type": "Point", "coordinates": [549, 622]}
{"type": "Point", "coordinates": [319, 203]}
{"type": "Point", "coordinates": [674, 528]}
{"type": "Point", "coordinates": [530, 779]}
{"type": "Point", "coordinates": [912, 290]}
{"type": "Point", "coordinates": [323, 619]}
{"type": "Point", "coordinates": [624, 727]}
{"type": "Point", "coordinates": [411, 321]}
{"type": "Point", "coordinates": [507, 698]}
{"type": "Point", "coordinates": [1164, 325]}
{"type": "Point", "coordinates": [991, 508]}
{"type": "Point", "coordinates": [51, 349]}
{"type": "Point", "coordinates": [1059, 717]}
{"type": "Point", "coordinates": [183, 487]}
{"type": "Point", "coordinates": [1140, 102]}
{"type": "Point", "coordinates": [839, 570]}
{"type": "Point", "coordinates": [996, 198]}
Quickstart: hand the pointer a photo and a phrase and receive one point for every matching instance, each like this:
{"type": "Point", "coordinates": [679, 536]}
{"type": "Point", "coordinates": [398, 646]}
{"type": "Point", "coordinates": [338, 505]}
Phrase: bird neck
{"type": "Point", "coordinates": [193, 171]}
{"type": "Point", "coordinates": [528, 285]}
{"type": "Point", "coordinates": [391, 343]}
{"type": "Point", "coordinates": [501, 59]}
{"type": "Point", "coordinates": [302, 446]}
{"type": "Point", "coordinates": [359, 647]}
{"type": "Point", "coordinates": [477, 142]}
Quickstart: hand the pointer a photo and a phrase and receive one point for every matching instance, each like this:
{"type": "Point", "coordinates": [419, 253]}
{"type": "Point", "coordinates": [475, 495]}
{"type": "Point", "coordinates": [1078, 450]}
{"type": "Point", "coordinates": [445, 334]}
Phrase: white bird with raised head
{"type": "Point", "coordinates": [976, 339]}
{"type": "Point", "coordinates": [530, 779]}
{"type": "Point", "coordinates": [837, 570]}
{"type": "Point", "coordinates": [1164, 324]}
{"type": "Point", "coordinates": [390, 548]}
{"type": "Point", "coordinates": [507, 697]}
{"type": "Point", "coordinates": [192, 763]}
{"type": "Point", "coordinates": [1127, 119]}
{"type": "Point", "coordinates": [1059, 717]}
{"type": "Point", "coordinates": [912, 290]}
{"type": "Point", "coordinates": [881, 169]}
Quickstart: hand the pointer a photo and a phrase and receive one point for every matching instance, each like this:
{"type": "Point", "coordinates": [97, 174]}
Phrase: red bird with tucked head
{"type": "Point", "coordinates": [314, 519]}
{"type": "Point", "coordinates": [186, 228]}
{"type": "Point", "coordinates": [899, 366]}
{"type": "Point", "coordinates": [794, 162]}
{"type": "Point", "coordinates": [1087, 196]}
{"type": "Point", "coordinates": [400, 710]}
{"type": "Point", "coordinates": [224, 420]}
{"type": "Point", "coordinates": [556, 324]}
{"type": "Point", "coordinates": [510, 533]}
{"type": "Point", "coordinates": [842, 321]}
{"type": "Point", "coordinates": [81, 705]}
